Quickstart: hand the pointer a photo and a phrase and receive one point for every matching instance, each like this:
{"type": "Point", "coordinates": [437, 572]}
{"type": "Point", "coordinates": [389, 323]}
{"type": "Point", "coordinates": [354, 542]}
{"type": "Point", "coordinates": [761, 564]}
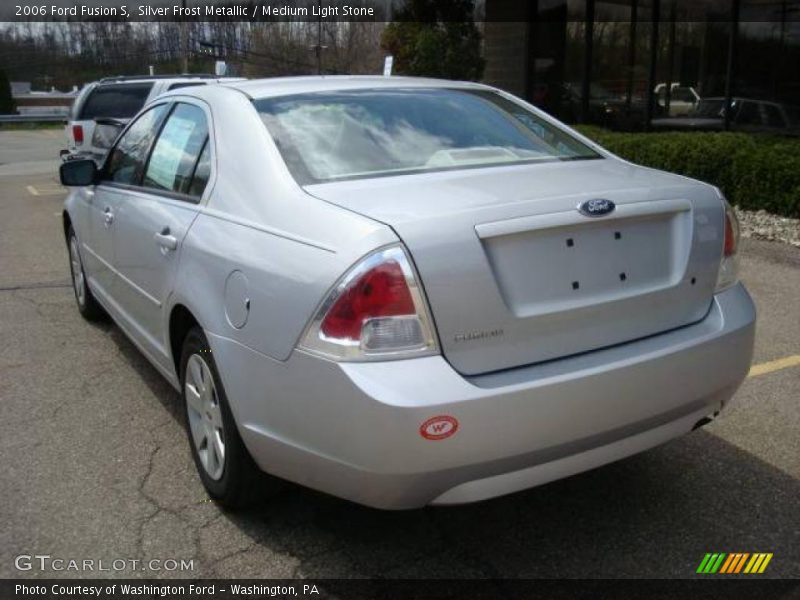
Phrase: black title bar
{"type": "Point", "coordinates": [711, 588]}
{"type": "Point", "coordinates": [377, 10]}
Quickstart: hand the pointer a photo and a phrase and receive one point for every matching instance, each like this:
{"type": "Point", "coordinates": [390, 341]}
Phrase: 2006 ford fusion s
{"type": "Point", "coordinates": [406, 291]}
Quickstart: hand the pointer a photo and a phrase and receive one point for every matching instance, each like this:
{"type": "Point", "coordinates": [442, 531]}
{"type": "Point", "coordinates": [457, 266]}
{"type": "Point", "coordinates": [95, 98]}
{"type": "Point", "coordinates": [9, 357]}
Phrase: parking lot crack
{"type": "Point", "coordinates": [35, 286]}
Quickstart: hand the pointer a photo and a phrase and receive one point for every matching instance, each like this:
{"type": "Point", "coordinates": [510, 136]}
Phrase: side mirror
{"type": "Point", "coordinates": [79, 172]}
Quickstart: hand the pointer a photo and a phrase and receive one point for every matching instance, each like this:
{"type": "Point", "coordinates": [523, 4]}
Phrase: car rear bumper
{"type": "Point", "coordinates": [353, 429]}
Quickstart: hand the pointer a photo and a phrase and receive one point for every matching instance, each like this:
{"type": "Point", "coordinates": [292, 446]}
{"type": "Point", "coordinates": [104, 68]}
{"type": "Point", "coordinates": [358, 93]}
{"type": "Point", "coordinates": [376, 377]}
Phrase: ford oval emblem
{"type": "Point", "coordinates": [596, 207]}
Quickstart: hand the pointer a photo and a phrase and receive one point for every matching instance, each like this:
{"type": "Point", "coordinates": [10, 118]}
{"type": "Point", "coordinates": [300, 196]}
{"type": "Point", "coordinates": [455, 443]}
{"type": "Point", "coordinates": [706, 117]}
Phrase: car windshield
{"type": "Point", "coordinates": [329, 136]}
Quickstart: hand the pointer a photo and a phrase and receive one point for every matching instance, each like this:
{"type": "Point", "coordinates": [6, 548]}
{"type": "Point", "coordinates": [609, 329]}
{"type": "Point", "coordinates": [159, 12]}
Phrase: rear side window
{"type": "Point", "coordinates": [117, 100]}
{"type": "Point", "coordinates": [80, 100]}
{"type": "Point", "coordinates": [126, 163]}
{"type": "Point", "coordinates": [177, 150]}
{"type": "Point", "coordinates": [749, 114]}
{"type": "Point", "coordinates": [774, 118]}
{"type": "Point", "coordinates": [202, 172]}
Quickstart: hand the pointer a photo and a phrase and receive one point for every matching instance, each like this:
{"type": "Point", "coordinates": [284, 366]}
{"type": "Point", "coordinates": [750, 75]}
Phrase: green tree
{"type": "Point", "coordinates": [6, 99]}
{"type": "Point", "coordinates": [435, 38]}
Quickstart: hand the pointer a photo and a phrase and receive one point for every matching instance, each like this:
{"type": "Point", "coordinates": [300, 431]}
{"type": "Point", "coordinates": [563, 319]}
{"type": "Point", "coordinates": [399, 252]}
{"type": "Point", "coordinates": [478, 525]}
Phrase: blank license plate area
{"type": "Point", "coordinates": [564, 267]}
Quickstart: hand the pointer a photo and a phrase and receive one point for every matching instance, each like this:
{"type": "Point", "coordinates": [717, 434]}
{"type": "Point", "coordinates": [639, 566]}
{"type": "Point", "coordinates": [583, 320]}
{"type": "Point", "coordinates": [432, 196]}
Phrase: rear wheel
{"type": "Point", "coordinates": [226, 469]}
{"type": "Point", "coordinates": [87, 305]}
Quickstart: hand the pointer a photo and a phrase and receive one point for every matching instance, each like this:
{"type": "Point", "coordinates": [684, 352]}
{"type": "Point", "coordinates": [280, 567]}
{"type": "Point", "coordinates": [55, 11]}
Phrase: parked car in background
{"type": "Point", "coordinates": [749, 115]}
{"type": "Point", "coordinates": [605, 108]}
{"type": "Point", "coordinates": [103, 107]}
{"type": "Point", "coordinates": [406, 291]}
{"type": "Point", "coordinates": [682, 99]}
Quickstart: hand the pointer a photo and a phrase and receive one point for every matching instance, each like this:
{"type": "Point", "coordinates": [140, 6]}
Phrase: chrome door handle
{"type": "Point", "coordinates": [108, 216]}
{"type": "Point", "coordinates": [166, 241]}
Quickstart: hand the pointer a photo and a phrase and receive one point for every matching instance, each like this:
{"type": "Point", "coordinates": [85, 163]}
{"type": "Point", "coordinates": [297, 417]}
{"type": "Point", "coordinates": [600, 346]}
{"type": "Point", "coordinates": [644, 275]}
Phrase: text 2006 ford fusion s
{"type": "Point", "coordinates": [406, 291]}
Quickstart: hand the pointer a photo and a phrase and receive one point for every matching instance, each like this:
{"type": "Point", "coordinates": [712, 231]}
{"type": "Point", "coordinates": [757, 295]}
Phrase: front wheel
{"type": "Point", "coordinates": [226, 469]}
{"type": "Point", "coordinates": [87, 305]}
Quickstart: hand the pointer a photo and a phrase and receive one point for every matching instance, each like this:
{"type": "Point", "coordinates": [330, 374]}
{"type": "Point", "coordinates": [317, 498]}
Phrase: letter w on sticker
{"type": "Point", "coordinates": [438, 428]}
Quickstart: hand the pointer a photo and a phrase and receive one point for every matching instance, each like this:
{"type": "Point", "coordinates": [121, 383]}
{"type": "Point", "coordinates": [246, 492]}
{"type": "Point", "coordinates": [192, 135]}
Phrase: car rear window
{"type": "Point", "coordinates": [329, 136]}
{"type": "Point", "coordinates": [184, 84]}
{"type": "Point", "coordinates": [117, 100]}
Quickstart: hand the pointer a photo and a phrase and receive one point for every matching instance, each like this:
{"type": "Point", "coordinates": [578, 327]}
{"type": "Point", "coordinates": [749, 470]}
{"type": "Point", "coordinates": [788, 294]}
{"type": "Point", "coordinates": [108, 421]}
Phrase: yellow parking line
{"type": "Point", "coordinates": [774, 365]}
{"type": "Point", "coordinates": [46, 189]}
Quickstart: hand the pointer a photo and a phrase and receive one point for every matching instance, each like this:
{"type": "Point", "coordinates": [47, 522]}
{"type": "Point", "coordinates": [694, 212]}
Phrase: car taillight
{"type": "Point", "coordinates": [376, 311]}
{"type": "Point", "coordinates": [729, 266]}
{"type": "Point", "coordinates": [731, 241]}
{"type": "Point", "coordinates": [77, 134]}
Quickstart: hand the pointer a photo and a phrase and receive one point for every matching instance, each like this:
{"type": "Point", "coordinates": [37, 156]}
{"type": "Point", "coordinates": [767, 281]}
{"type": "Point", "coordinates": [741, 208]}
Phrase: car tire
{"type": "Point", "coordinates": [233, 480]}
{"type": "Point", "coordinates": [88, 306]}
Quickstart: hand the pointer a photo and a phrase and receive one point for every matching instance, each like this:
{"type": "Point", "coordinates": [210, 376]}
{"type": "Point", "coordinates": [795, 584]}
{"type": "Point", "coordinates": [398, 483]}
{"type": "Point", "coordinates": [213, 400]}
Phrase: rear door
{"type": "Point", "coordinates": [154, 218]}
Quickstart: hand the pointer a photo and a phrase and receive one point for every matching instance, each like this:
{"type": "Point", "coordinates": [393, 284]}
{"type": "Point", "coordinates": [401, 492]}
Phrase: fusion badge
{"type": "Point", "coordinates": [438, 428]}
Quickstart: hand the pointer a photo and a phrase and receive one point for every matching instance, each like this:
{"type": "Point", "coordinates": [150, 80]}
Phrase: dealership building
{"type": "Point", "coordinates": [633, 64]}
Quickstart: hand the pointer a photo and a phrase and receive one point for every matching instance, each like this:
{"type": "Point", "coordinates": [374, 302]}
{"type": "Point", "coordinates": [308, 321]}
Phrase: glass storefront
{"type": "Point", "coordinates": [652, 64]}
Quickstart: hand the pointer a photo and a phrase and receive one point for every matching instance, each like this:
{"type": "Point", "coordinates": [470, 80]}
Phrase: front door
{"type": "Point", "coordinates": [120, 173]}
{"type": "Point", "coordinates": [152, 223]}
{"type": "Point", "coordinates": [98, 246]}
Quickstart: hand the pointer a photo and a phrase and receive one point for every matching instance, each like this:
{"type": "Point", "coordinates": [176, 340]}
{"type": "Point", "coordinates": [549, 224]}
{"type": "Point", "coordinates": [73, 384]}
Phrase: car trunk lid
{"type": "Point", "coordinates": [515, 274]}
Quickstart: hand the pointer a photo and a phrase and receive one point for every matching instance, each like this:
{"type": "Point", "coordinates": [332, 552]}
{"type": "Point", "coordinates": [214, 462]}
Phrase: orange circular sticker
{"type": "Point", "coordinates": [438, 428]}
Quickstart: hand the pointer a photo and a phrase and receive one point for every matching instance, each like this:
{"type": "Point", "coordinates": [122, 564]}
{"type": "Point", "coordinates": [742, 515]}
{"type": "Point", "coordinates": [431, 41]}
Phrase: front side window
{"type": "Point", "coordinates": [126, 162]}
{"type": "Point", "coordinates": [710, 108]}
{"type": "Point", "coordinates": [749, 114]}
{"type": "Point", "coordinates": [176, 152]}
{"type": "Point", "coordinates": [330, 136]}
{"type": "Point", "coordinates": [682, 95]}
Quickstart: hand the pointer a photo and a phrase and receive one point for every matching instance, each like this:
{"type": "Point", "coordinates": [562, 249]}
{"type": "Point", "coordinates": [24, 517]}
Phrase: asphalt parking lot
{"type": "Point", "coordinates": [96, 465]}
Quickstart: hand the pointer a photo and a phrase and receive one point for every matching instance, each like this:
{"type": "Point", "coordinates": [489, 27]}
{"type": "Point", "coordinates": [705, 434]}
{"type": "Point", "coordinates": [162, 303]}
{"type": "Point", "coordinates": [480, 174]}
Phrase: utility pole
{"type": "Point", "coordinates": [318, 47]}
{"type": "Point", "coordinates": [184, 40]}
{"type": "Point", "coordinates": [730, 71]}
{"type": "Point", "coordinates": [651, 72]}
{"type": "Point", "coordinates": [586, 82]}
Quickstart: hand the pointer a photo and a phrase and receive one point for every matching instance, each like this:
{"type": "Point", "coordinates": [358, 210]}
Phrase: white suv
{"type": "Point", "coordinates": [103, 107]}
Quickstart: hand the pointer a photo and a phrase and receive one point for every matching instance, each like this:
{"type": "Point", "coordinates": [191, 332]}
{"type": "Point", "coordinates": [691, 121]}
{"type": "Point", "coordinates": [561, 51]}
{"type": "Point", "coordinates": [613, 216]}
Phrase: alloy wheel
{"type": "Point", "coordinates": [205, 416]}
{"type": "Point", "coordinates": [77, 271]}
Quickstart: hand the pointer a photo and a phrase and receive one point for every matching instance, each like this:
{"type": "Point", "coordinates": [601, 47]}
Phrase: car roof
{"type": "Point", "coordinates": [165, 78]}
{"type": "Point", "coordinates": [741, 99]}
{"type": "Point", "coordinates": [284, 86]}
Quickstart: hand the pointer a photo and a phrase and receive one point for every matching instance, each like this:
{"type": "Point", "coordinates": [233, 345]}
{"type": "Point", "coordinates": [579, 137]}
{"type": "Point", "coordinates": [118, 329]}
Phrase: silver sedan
{"type": "Point", "coordinates": [406, 291]}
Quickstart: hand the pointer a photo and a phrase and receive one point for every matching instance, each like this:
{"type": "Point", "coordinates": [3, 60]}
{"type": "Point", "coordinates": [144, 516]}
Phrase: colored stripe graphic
{"type": "Point", "coordinates": [727, 564]}
{"type": "Point", "coordinates": [741, 562]}
{"type": "Point", "coordinates": [734, 562]}
{"type": "Point", "coordinates": [711, 563]}
{"type": "Point", "coordinates": [703, 563]}
{"type": "Point", "coordinates": [753, 564]}
{"type": "Point", "coordinates": [718, 563]}
{"type": "Point", "coordinates": [764, 564]}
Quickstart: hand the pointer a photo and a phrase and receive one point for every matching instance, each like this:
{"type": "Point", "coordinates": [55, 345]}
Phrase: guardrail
{"type": "Point", "coordinates": [33, 119]}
